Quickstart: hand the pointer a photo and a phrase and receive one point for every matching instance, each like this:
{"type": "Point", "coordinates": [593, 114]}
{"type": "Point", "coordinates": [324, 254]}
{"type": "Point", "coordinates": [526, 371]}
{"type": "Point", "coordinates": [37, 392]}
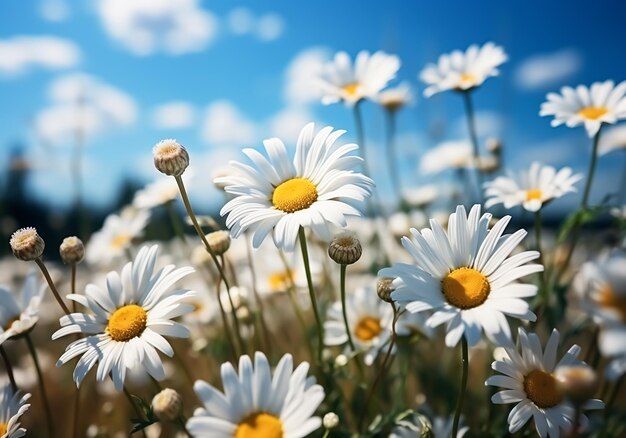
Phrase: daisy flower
{"type": "Point", "coordinates": [128, 320]}
{"type": "Point", "coordinates": [612, 344]}
{"type": "Point", "coordinates": [463, 71]}
{"type": "Point", "coordinates": [370, 320]}
{"type": "Point", "coordinates": [314, 190]}
{"type": "Point", "coordinates": [420, 425]}
{"type": "Point", "coordinates": [256, 404]}
{"type": "Point", "coordinates": [396, 98]}
{"type": "Point", "coordinates": [13, 407]}
{"type": "Point", "coordinates": [528, 380]}
{"type": "Point", "coordinates": [613, 139]}
{"type": "Point", "coordinates": [116, 235]}
{"type": "Point", "coordinates": [341, 81]}
{"type": "Point", "coordinates": [466, 277]}
{"type": "Point", "coordinates": [19, 316]}
{"type": "Point", "coordinates": [604, 102]}
{"type": "Point", "coordinates": [532, 189]}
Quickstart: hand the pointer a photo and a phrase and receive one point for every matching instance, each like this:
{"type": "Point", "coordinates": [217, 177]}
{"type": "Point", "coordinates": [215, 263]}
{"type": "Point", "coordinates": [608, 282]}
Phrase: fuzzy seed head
{"type": "Point", "coordinates": [330, 420]}
{"type": "Point", "coordinates": [578, 383]}
{"type": "Point", "coordinates": [345, 248]}
{"type": "Point", "coordinates": [72, 250]}
{"type": "Point", "coordinates": [26, 244]}
{"type": "Point", "coordinates": [384, 288]}
{"type": "Point", "coordinates": [167, 405]}
{"type": "Point", "coordinates": [170, 157]}
{"type": "Point", "coordinates": [219, 241]}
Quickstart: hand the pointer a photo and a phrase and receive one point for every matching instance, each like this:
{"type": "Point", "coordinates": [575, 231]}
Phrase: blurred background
{"type": "Point", "coordinates": [88, 87]}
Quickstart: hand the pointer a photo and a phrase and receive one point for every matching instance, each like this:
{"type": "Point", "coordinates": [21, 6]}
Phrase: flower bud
{"type": "Point", "coordinates": [72, 250]}
{"type": "Point", "coordinates": [170, 157]}
{"type": "Point", "coordinates": [578, 383]}
{"type": "Point", "coordinates": [26, 244]}
{"type": "Point", "coordinates": [167, 405]}
{"type": "Point", "coordinates": [330, 420]}
{"type": "Point", "coordinates": [384, 288]}
{"type": "Point", "coordinates": [345, 248]}
{"type": "Point", "coordinates": [219, 241]}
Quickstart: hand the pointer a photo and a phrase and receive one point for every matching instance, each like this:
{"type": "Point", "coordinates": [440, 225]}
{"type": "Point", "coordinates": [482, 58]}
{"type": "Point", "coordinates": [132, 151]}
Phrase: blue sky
{"type": "Point", "coordinates": [237, 73]}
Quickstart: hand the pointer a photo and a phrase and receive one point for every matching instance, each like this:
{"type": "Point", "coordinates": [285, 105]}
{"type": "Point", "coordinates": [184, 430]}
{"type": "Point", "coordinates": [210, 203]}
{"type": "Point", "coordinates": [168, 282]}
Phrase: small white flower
{"type": "Point", "coordinates": [528, 380]}
{"type": "Point", "coordinates": [603, 102]}
{"type": "Point", "coordinates": [13, 406]}
{"type": "Point", "coordinates": [315, 189]}
{"type": "Point", "coordinates": [463, 71]}
{"type": "Point", "coordinates": [129, 320]}
{"type": "Point", "coordinates": [613, 138]}
{"type": "Point", "coordinates": [612, 344]}
{"type": "Point", "coordinates": [417, 425]}
{"type": "Point", "coordinates": [447, 155]}
{"type": "Point", "coordinates": [19, 316]}
{"type": "Point", "coordinates": [467, 276]}
{"type": "Point", "coordinates": [256, 404]}
{"type": "Point", "coordinates": [532, 188]}
{"type": "Point", "coordinates": [341, 81]}
{"type": "Point", "coordinates": [396, 98]}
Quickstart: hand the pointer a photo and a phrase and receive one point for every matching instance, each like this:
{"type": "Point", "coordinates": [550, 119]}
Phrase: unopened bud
{"type": "Point", "coordinates": [345, 248]}
{"type": "Point", "coordinates": [167, 405]}
{"type": "Point", "coordinates": [384, 288]}
{"type": "Point", "coordinates": [330, 420]}
{"type": "Point", "coordinates": [72, 250]}
{"type": "Point", "coordinates": [26, 244]}
{"type": "Point", "coordinates": [170, 157]}
{"type": "Point", "coordinates": [493, 145]}
{"type": "Point", "coordinates": [219, 241]}
{"type": "Point", "coordinates": [578, 383]}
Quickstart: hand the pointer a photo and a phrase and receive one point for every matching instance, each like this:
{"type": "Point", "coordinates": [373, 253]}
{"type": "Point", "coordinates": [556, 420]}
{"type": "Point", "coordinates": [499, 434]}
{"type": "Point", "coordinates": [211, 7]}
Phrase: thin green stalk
{"type": "Point", "coordinates": [342, 279]}
{"type": "Point", "coordinates": [175, 221]}
{"type": "Point", "coordinates": [9, 368]}
{"type": "Point", "coordinates": [391, 153]}
{"type": "Point", "coordinates": [229, 334]}
{"type": "Point", "coordinates": [471, 126]}
{"type": "Point", "coordinates": [42, 387]}
{"type": "Point", "coordinates": [75, 422]}
{"type": "Point", "coordinates": [135, 408]}
{"type": "Point", "coordinates": [459, 404]}
{"type": "Point", "coordinates": [383, 368]}
{"type": "Point", "coordinates": [53, 288]}
{"type": "Point", "coordinates": [309, 280]}
{"type": "Point", "coordinates": [259, 313]}
{"type": "Point", "coordinates": [233, 311]}
{"type": "Point", "coordinates": [542, 279]}
{"type": "Point", "coordinates": [360, 136]}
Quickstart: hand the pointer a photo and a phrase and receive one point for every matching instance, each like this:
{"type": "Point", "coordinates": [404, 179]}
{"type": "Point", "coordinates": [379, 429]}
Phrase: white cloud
{"type": "Point", "coordinates": [224, 125]}
{"type": "Point", "coordinates": [83, 103]}
{"type": "Point", "coordinates": [148, 26]}
{"type": "Point", "coordinates": [22, 53]}
{"type": "Point", "coordinates": [267, 27]}
{"type": "Point", "coordinates": [173, 115]}
{"type": "Point", "coordinates": [302, 75]}
{"type": "Point", "coordinates": [270, 27]}
{"type": "Point", "coordinates": [55, 11]}
{"type": "Point", "coordinates": [544, 70]}
{"type": "Point", "coordinates": [288, 123]}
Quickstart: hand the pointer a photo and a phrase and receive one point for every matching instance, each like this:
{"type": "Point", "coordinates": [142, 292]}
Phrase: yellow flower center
{"type": "Point", "coordinates": [542, 389]}
{"type": "Point", "coordinates": [467, 79]}
{"type": "Point", "coordinates": [294, 195]}
{"type": "Point", "coordinates": [465, 288]}
{"type": "Point", "coordinates": [592, 112]}
{"type": "Point", "coordinates": [532, 194]}
{"type": "Point", "coordinates": [279, 281]}
{"type": "Point", "coordinates": [3, 428]}
{"type": "Point", "coordinates": [367, 328]}
{"type": "Point", "coordinates": [120, 241]}
{"type": "Point", "coordinates": [260, 425]}
{"type": "Point", "coordinates": [351, 89]}
{"type": "Point", "coordinates": [609, 299]}
{"type": "Point", "coordinates": [127, 322]}
{"type": "Point", "coordinates": [8, 325]}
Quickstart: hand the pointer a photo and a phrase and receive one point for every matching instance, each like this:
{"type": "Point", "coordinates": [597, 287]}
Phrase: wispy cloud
{"type": "Point", "coordinates": [544, 70]}
{"type": "Point", "coordinates": [266, 27]}
{"type": "Point", "coordinates": [23, 53]}
{"type": "Point", "coordinates": [173, 115]}
{"type": "Point", "coordinates": [224, 124]}
{"type": "Point", "coordinates": [301, 76]}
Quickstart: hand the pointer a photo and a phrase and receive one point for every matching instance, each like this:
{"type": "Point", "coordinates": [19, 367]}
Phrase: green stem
{"type": "Point", "coordinates": [542, 279]}
{"type": "Point", "coordinates": [42, 387]}
{"type": "Point", "coordinates": [229, 333]}
{"type": "Point", "coordinates": [309, 280]}
{"type": "Point", "coordinates": [53, 288]}
{"type": "Point", "coordinates": [8, 367]}
{"type": "Point", "coordinates": [360, 136]}
{"type": "Point", "coordinates": [471, 126]}
{"type": "Point", "coordinates": [260, 311]}
{"type": "Point", "coordinates": [342, 279]}
{"type": "Point", "coordinates": [233, 311]}
{"type": "Point", "coordinates": [391, 153]}
{"type": "Point", "coordinates": [459, 404]}
{"type": "Point", "coordinates": [592, 170]}
{"type": "Point", "coordinates": [135, 408]}
{"type": "Point", "coordinates": [75, 422]}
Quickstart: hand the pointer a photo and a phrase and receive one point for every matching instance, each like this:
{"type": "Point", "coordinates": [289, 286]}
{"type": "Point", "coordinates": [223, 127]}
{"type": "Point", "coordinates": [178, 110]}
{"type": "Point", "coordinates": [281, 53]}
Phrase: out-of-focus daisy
{"type": "Point", "coordinates": [466, 276]}
{"type": "Point", "coordinates": [256, 404]}
{"type": "Point", "coordinates": [528, 380]}
{"type": "Point", "coordinates": [446, 155]}
{"type": "Point", "coordinates": [129, 320]}
{"type": "Point", "coordinates": [393, 99]}
{"type": "Point", "coordinates": [463, 71]}
{"type": "Point", "coordinates": [116, 236]}
{"type": "Point", "coordinates": [340, 81]}
{"type": "Point", "coordinates": [603, 102]}
{"type": "Point", "coordinates": [420, 197]}
{"type": "Point", "coordinates": [613, 138]}
{"type": "Point", "coordinates": [314, 190]}
{"type": "Point", "coordinates": [370, 320]}
{"type": "Point", "coordinates": [13, 406]}
{"type": "Point", "coordinates": [420, 425]}
{"type": "Point", "coordinates": [19, 316]}
{"type": "Point", "coordinates": [159, 192]}
{"type": "Point", "coordinates": [612, 344]}
{"type": "Point", "coordinates": [532, 188]}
